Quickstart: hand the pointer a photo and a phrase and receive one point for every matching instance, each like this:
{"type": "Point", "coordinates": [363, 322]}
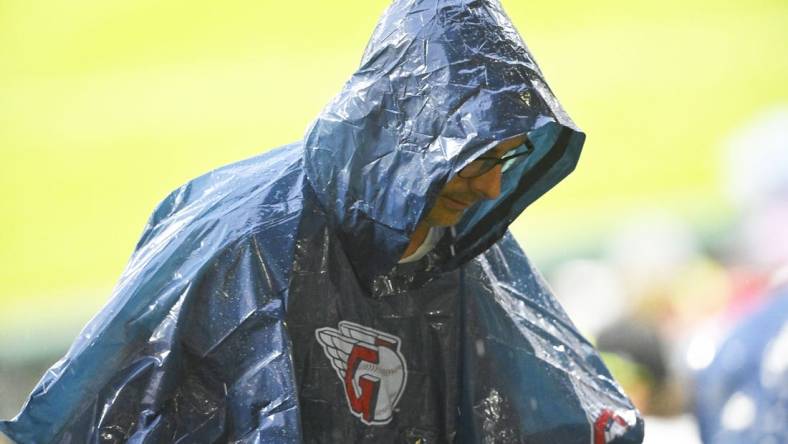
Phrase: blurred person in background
{"type": "Point", "coordinates": [695, 298]}
{"type": "Point", "coordinates": [755, 167]}
{"type": "Point", "coordinates": [657, 282]}
{"type": "Point", "coordinates": [742, 396]}
{"type": "Point", "coordinates": [706, 302]}
{"type": "Point", "coordinates": [741, 387]}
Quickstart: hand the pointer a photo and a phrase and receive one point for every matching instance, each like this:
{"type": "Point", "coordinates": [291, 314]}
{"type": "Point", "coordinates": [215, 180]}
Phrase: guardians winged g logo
{"type": "Point", "coordinates": [371, 367]}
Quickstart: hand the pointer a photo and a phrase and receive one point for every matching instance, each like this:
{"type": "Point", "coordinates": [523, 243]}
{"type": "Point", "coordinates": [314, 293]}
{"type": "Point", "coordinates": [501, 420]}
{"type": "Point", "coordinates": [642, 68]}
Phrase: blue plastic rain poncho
{"type": "Point", "coordinates": [264, 302]}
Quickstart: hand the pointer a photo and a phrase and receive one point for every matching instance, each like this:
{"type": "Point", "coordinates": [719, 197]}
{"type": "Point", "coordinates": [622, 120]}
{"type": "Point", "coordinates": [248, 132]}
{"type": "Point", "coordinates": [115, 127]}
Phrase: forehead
{"type": "Point", "coordinates": [506, 145]}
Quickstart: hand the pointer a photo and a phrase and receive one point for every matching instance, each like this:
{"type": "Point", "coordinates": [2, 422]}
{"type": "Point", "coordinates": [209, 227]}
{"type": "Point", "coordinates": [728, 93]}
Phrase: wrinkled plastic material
{"type": "Point", "coordinates": [742, 396]}
{"type": "Point", "coordinates": [264, 302]}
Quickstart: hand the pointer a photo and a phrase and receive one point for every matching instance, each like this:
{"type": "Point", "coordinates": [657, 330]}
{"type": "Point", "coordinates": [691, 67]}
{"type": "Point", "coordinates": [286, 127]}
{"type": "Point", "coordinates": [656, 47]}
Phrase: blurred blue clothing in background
{"type": "Point", "coordinates": [742, 396]}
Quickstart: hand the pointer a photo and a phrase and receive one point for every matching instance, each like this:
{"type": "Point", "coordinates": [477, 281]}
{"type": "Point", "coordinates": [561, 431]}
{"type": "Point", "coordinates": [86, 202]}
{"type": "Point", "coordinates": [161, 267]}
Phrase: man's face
{"type": "Point", "coordinates": [460, 194]}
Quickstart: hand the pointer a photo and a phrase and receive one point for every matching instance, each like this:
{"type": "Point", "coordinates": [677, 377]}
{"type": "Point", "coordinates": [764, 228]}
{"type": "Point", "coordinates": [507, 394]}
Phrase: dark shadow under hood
{"type": "Point", "coordinates": [440, 83]}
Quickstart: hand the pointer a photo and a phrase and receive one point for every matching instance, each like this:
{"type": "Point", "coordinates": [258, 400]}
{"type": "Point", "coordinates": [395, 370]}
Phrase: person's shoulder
{"type": "Point", "coordinates": [241, 197]}
{"type": "Point", "coordinates": [255, 176]}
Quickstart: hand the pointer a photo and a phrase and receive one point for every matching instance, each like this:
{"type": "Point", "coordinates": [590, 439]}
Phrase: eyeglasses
{"type": "Point", "coordinates": [483, 164]}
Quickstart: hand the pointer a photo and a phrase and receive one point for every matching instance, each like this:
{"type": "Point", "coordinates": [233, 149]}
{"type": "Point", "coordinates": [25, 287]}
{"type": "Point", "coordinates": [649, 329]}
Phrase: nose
{"type": "Point", "coordinates": [488, 185]}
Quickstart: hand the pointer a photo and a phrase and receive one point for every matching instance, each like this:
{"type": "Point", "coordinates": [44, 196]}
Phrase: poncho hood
{"type": "Point", "coordinates": [440, 83]}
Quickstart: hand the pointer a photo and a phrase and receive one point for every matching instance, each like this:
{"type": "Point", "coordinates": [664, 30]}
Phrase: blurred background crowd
{"type": "Point", "coordinates": [668, 245]}
{"type": "Point", "coordinates": [698, 335]}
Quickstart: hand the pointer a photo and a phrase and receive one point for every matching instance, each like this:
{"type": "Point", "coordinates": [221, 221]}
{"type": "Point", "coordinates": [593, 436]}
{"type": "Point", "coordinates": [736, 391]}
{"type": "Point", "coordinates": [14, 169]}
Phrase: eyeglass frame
{"type": "Point", "coordinates": [495, 161]}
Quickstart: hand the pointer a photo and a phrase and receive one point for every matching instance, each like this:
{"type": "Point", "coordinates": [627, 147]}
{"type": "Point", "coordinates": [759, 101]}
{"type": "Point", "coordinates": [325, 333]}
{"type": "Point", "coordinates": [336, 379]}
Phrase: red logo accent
{"type": "Point", "coordinates": [609, 425]}
{"type": "Point", "coordinates": [364, 402]}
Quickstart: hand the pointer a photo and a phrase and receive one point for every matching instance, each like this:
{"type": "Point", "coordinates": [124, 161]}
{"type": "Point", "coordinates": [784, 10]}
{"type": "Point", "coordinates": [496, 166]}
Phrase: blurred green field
{"type": "Point", "coordinates": [107, 106]}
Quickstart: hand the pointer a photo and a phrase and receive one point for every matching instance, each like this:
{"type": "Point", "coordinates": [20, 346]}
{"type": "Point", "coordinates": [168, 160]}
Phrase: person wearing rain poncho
{"type": "Point", "coordinates": [284, 298]}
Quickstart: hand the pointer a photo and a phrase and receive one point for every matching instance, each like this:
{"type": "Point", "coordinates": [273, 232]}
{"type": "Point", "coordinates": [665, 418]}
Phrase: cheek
{"type": "Point", "coordinates": [454, 186]}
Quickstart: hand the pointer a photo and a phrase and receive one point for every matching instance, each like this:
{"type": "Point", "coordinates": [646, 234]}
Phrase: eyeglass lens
{"type": "Point", "coordinates": [482, 165]}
